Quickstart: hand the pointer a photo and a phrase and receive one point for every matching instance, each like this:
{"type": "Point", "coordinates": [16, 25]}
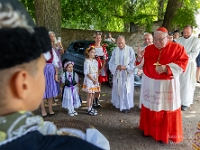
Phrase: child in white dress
{"type": "Point", "coordinates": [70, 94]}
{"type": "Point", "coordinates": [91, 84]}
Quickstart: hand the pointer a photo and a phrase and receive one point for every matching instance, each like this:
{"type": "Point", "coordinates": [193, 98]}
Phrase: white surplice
{"type": "Point", "coordinates": [188, 78]}
{"type": "Point", "coordinates": [123, 81]}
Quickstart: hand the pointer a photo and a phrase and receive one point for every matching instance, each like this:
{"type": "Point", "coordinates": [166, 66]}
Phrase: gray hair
{"type": "Point", "coordinates": [12, 19]}
{"type": "Point", "coordinates": [51, 32]}
{"type": "Point", "coordinates": [148, 34]}
{"type": "Point", "coordinates": [120, 37]}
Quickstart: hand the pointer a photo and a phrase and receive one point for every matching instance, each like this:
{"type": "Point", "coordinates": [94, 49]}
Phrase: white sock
{"type": "Point", "coordinates": [89, 108]}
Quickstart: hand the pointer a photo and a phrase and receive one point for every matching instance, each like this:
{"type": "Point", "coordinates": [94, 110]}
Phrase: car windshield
{"type": "Point", "coordinates": [78, 48]}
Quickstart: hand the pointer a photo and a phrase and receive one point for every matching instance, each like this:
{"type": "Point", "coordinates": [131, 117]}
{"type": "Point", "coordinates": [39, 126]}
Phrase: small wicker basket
{"type": "Point", "coordinates": [72, 123]}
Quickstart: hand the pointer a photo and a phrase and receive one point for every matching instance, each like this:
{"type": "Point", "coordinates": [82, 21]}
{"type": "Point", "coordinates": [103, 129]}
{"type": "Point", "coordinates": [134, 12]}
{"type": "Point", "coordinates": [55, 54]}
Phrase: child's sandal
{"type": "Point", "coordinates": [71, 114]}
{"type": "Point", "coordinates": [75, 113]}
{"type": "Point", "coordinates": [92, 113]}
{"type": "Point", "coordinates": [94, 110]}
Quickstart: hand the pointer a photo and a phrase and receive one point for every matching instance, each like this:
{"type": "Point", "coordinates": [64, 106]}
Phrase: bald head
{"type": "Point", "coordinates": [148, 39]}
{"type": "Point", "coordinates": [121, 42]}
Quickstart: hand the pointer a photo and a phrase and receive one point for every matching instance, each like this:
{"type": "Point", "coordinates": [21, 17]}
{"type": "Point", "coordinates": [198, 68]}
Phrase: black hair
{"type": "Point", "coordinates": [20, 46]}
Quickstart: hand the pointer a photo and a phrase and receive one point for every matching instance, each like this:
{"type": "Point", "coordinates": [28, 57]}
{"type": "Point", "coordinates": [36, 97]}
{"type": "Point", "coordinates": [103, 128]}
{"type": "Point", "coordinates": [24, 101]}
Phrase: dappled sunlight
{"type": "Point", "coordinates": [193, 112]}
{"type": "Point", "coordinates": [84, 108]}
{"type": "Point", "coordinates": [103, 95]}
{"type": "Point", "coordinates": [84, 102]}
{"type": "Point", "coordinates": [101, 100]}
{"type": "Point", "coordinates": [191, 115]}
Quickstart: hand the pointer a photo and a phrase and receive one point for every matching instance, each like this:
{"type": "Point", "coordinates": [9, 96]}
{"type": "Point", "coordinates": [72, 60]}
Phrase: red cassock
{"type": "Point", "coordinates": [100, 60]}
{"type": "Point", "coordinates": [162, 124]}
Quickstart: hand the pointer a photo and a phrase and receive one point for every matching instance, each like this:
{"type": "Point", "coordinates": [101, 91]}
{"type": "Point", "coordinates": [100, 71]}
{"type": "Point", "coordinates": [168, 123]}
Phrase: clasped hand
{"type": "Point", "coordinates": [95, 82]}
{"type": "Point", "coordinates": [120, 67]}
{"type": "Point", "coordinates": [161, 69]}
{"type": "Point", "coordinates": [56, 78]}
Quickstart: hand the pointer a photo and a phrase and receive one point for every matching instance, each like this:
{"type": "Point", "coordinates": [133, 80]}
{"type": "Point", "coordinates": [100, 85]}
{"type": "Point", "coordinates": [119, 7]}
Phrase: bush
{"type": "Point", "coordinates": [109, 46]}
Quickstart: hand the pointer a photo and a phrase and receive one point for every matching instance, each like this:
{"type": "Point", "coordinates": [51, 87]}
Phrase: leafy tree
{"type": "Point", "coordinates": [30, 7]}
{"type": "Point", "coordinates": [180, 13]}
{"type": "Point", "coordinates": [45, 13]}
{"type": "Point", "coordinates": [122, 15]}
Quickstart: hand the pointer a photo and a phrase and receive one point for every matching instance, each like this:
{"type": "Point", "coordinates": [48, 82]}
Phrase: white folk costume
{"type": "Point", "coordinates": [101, 55]}
{"type": "Point", "coordinates": [70, 95]}
{"type": "Point", "coordinates": [123, 81]}
{"type": "Point", "coordinates": [160, 93]}
{"type": "Point", "coordinates": [90, 67]}
{"type": "Point", "coordinates": [188, 78]}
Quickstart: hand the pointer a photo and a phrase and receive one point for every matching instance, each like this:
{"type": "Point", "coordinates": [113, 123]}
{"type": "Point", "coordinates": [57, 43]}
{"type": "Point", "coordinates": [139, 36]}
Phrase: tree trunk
{"type": "Point", "coordinates": [48, 14]}
{"type": "Point", "coordinates": [172, 6]}
{"type": "Point", "coordinates": [161, 9]}
{"type": "Point", "coordinates": [126, 27]}
{"type": "Point", "coordinates": [133, 27]}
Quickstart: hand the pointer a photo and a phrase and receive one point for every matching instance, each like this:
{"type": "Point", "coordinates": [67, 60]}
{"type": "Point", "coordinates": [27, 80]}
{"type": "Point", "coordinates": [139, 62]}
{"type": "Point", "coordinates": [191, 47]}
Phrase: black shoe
{"type": "Point", "coordinates": [183, 108]}
{"type": "Point", "coordinates": [161, 142]}
{"type": "Point", "coordinates": [144, 135]}
{"type": "Point", "coordinates": [125, 110]}
{"type": "Point", "coordinates": [51, 114]}
{"type": "Point", "coordinates": [198, 81]}
{"type": "Point", "coordinates": [45, 116]}
{"type": "Point", "coordinates": [94, 105]}
{"type": "Point", "coordinates": [98, 105]}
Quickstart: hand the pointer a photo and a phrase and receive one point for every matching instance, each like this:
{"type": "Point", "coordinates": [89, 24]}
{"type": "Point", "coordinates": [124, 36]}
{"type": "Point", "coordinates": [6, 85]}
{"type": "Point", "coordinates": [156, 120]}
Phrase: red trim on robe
{"type": "Point", "coordinates": [171, 53]}
{"type": "Point", "coordinates": [51, 59]}
{"type": "Point", "coordinates": [162, 125]}
{"type": "Point", "coordinates": [138, 61]}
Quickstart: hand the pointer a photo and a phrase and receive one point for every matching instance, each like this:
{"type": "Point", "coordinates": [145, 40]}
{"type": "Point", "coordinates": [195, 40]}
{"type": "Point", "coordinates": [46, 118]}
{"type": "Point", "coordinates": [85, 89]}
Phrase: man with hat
{"type": "Point", "coordinates": [162, 63]}
{"type": "Point", "coordinates": [24, 51]}
{"type": "Point", "coordinates": [188, 78]}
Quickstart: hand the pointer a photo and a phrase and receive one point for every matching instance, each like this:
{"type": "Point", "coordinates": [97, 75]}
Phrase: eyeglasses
{"type": "Point", "coordinates": [160, 39]}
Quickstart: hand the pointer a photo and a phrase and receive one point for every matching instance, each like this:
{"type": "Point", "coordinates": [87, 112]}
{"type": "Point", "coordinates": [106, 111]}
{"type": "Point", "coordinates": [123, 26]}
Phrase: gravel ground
{"type": "Point", "coordinates": [122, 129]}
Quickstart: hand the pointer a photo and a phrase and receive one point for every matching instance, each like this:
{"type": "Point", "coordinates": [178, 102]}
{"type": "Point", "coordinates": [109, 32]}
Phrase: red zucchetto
{"type": "Point", "coordinates": [162, 29]}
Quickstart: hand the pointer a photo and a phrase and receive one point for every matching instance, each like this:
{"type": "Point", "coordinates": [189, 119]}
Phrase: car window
{"type": "Point", "coordinates": [78, 47]}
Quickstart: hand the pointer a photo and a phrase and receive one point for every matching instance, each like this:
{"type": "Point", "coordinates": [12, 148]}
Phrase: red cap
{"type": "Point", "coordinates": [162, 29]}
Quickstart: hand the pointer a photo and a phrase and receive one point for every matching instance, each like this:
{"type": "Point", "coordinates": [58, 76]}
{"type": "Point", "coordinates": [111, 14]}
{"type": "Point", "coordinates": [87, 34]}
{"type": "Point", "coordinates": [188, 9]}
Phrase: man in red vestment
{"type": "Point", "coordinates": [162, 63]}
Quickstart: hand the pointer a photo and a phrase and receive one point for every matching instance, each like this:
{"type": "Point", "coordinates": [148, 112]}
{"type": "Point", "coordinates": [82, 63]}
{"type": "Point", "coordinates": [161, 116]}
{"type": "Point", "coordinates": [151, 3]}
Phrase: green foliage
{"type": "Point", "coordinates": [30, 7]}
{"type": "Point", "coordinates": [112, 15]}
{"type": "Point", "coordinates": [183, 17]}
{"type": "Point", "coordinates": [107, 15]}
{"type": "Point", "coordinates": [110, 46]}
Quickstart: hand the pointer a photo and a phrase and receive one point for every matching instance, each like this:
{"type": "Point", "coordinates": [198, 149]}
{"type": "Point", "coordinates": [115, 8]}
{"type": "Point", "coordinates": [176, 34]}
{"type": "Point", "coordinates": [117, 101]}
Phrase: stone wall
{"type": "Point", "coordinates": [69, 35]}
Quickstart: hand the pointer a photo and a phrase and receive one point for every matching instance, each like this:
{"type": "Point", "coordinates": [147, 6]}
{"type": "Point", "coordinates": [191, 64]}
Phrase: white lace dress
{"type": "Point", "coordinates": [99, 51]}
{"type": "Point", "coordinates": [70, 97]}
{"type": "Point", "coordinates": [90, 67]}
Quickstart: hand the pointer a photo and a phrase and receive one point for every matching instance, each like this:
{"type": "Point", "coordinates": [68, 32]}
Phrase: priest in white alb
{"type": "Point", "coordinates": [162, 63]}
{"type": "Point", "coordinates": [121, 65]}
{"type": "Point", "coordinates": [188, 78]}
